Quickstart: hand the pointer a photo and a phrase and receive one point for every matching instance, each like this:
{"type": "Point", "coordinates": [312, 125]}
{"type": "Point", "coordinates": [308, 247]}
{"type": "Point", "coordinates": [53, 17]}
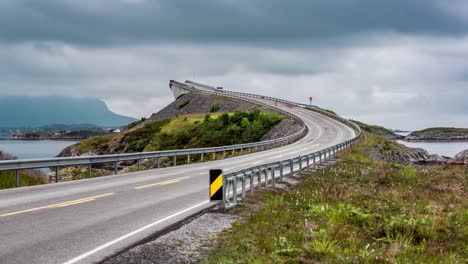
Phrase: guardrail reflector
{"type": "Point", "coordinates": [216, 185]}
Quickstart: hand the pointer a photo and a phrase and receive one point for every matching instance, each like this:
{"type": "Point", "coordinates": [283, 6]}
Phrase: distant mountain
{"type": "Point", "coordinates": [37, 111]}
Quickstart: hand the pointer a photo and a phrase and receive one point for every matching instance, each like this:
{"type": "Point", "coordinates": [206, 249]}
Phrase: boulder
{"type": "Point", "coordinates": [460, 158]}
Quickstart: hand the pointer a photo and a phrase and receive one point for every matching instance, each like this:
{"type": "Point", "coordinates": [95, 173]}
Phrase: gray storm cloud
{"type": "Point", "coordinates": [402, 64]}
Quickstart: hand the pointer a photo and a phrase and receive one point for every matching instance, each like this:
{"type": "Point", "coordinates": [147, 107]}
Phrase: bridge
{"type": "Point", "coordinates": [87, 220]}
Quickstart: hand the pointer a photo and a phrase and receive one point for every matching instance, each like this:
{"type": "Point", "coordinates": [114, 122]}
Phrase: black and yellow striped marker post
{"type": "Point", "coordinates": [216, 185]}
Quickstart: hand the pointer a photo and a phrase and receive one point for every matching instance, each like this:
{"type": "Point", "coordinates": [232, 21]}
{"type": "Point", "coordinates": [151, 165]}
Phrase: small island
{"type": "Point", "coordinates": [439, 134]}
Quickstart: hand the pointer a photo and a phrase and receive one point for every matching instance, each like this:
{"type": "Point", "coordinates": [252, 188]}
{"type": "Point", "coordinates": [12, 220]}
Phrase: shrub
{"type": "Point", "coordinates": [215, 107]}
{"type": "Point", "coordinates": [183, 103]}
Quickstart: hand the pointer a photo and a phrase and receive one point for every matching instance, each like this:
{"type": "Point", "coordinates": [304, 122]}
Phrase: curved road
{"type": "Point", "coordinates": [85, 221]}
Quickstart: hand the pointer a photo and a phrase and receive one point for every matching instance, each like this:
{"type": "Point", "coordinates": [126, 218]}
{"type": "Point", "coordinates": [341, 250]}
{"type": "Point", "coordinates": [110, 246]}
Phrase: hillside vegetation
{"type": "Point", "coordinates": [188, 131]}
{"type": "Point", "coordinates": [359, 210]}
{"type": "Point", "coordinates": [440, 130]}
{"type": "Point", "coordinates": [377, 130]}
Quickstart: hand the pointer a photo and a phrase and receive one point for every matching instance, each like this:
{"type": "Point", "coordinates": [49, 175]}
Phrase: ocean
{"type": "Point", "coordinates": [36, 149]}
{"type": "Point", "coordinates": [448, 149]}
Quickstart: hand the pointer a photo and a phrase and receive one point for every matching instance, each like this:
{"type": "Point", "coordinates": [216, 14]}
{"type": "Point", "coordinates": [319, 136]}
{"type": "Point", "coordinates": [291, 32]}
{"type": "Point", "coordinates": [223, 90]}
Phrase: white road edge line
{"type": "Point", "coordinates": [110, 243]}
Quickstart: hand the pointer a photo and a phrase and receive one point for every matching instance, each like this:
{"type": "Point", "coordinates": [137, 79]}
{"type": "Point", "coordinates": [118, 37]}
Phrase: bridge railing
{"type": "Point", "coordinates": [89, 161]}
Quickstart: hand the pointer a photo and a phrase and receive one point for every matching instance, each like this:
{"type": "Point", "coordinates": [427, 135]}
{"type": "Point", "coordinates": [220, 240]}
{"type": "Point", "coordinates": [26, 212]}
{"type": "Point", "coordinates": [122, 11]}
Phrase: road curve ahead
{"type": "Point", "coordinates": [85, 221]}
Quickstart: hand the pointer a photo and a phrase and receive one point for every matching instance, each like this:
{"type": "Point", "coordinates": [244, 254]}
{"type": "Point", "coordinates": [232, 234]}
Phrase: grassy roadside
{"type": "Point", "coordinates": [8, 180]}
{"type": "Point", "coordinates": [359, 210]}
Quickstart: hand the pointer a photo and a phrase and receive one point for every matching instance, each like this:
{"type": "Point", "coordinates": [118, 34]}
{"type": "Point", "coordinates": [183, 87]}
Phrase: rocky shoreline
{"type": "Point", "coordinates": [417, 156]}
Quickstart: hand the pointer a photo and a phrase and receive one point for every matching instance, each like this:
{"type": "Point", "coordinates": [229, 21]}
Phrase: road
{"type": "Point", "coordinates": [85, 221]}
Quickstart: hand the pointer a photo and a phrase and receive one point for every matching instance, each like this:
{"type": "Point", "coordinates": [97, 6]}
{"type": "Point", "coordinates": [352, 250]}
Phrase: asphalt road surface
{"type": "Point", "coordinates": [85, 221]}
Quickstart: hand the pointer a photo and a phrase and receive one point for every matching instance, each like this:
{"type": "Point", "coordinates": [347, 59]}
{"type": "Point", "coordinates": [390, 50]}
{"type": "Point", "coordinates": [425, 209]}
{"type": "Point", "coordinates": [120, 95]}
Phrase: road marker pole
{"type": "Point", "coordinates": [217, 186]}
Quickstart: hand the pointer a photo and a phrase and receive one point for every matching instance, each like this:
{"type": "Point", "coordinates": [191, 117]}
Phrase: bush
{"type": "Point", "coordinates": [183, 103]}
{"type": "Point", "coordinates": [215, 107]}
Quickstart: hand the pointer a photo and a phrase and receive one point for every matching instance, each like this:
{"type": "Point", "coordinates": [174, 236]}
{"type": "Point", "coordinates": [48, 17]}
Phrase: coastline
{"type": "Point", "coordinates": [41, 139]}
{"type": "Point", "coordinates": [434, 140]}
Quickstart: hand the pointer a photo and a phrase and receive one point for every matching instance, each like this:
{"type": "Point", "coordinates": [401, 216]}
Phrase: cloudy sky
{"type": "Point", "coordinates": [397, 63]}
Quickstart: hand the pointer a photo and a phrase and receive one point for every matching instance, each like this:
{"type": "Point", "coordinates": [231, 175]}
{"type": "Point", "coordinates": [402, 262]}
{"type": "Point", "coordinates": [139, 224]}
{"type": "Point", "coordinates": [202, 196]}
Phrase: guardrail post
{"type": "Point", "coordinates": [243, 186]}
{"type": "Point", "coordinates": [224, 154]}
{"type": "Point", "coordinates": [300, 162]}
{"type": "Point", "coordinates": [159, 162]}
{"type": "Point", "coordinates": [265, 172]}
{"type": "Point", "coordinates": [139, 165]}
{"type": "Point", "coordinates": [251, 181]}
{"type": "Point", "coordinates": [57, 174]}
{"type": "Point", "coordinates": [281, 170]}
{"type": "Point", "coordinates": [308, 161]}
{"type": "Point", "coordinates": [201, 159]}
{"type": "Point", "coordinates": [259, 179]}
{"type": "Point", "coordinates": [188, 158]}
{"type": "Point", "coordinates": [115, 168]}
{"type": "Point", "coordinates": [17, 178]}
{"type": "Point", "coordinates": [291, 165]}
{"type": "Point", "coordinates": [273, 177]}
{"type": "Point", "coordinates": [314, 161]}
{"type": "Point", "coordinates": [214, 155]}
{"type": "Point", "coordinates": [234, 189]}
{"type": "Point", "coordinates": [233, 152]}
{"type": "Point", "coordinates": [241, 150]}
{"type": "Point", "coordinates": [224, 202]}
{"type": "Point", "coordinates": [90, 170]}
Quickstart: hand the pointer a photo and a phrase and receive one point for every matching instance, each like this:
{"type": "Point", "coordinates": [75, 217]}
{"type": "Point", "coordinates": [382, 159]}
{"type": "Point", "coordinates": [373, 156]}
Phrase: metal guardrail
{"type": "Point", "coordinates": [267, 174]}
{"type": "Point", "coordinates": [57, 163]}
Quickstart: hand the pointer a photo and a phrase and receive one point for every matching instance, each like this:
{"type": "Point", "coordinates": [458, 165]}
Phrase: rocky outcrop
{"type": "Point", "coordinates": [402, 155]}
{"type": "Point", "coordinates": [460, 159]}
{"type": "Point", "coordinates": [392, 152]}
{"type": "Point", "coordinates": [284, 128]}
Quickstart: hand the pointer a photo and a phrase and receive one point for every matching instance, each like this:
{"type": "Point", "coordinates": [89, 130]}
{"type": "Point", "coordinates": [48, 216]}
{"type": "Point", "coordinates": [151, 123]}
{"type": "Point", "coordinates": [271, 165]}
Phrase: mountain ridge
{"type": "Point", "coordinates": [36, 111]}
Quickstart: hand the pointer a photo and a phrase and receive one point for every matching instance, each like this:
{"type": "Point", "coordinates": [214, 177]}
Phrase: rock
{"type": "Point", "coordinates": [402, 155]}
{"type": "Point", "coordinates": [461, 158]}
{"type": "Point", "coordinates": [286, 127]}
{"type": "Point", "coordinates": [437, 159]}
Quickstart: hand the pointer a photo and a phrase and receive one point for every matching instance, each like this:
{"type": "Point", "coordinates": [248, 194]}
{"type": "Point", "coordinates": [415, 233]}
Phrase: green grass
{"type": "Point", "coordinates": [439, 130]}
{"type": "Point", "coordinates": [136, 123]}
{"type": "Point", "coordinates": [328, 111]}
{"type": "Point", "coordinates": [357, 211]}
{"type": "Point", "coordinates": [95, 143]}
{"type": "Point", "coordinates": [8, 180]}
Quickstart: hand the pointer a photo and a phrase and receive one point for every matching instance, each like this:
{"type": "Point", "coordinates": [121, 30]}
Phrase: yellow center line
{"type": "Point", "coordinates": [160, 183]}
{"type": "Point", "coordinates": [73, 202]}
